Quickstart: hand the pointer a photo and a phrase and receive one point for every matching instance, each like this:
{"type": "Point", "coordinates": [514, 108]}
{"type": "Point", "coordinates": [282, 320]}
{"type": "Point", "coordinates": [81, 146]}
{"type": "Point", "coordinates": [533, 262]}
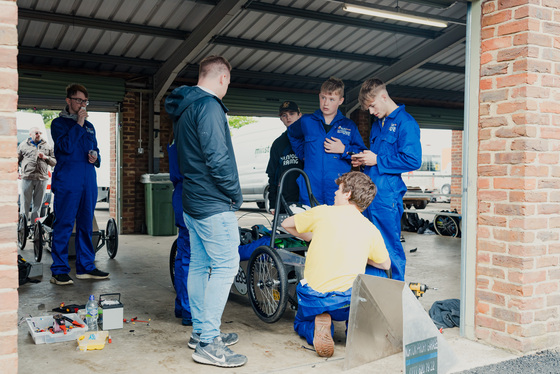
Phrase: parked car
{"type": "Point", "coordinates": [251, 144]}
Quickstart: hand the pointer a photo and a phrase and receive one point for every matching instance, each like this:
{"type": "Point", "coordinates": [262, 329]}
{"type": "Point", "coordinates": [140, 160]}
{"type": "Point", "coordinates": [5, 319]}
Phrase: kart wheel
{"type": "Point", "coordinates": [112, 237]}
{"type": "Point", "coordinates": [23, 231]}
{"type": "Point", "coordinates": [268, 284]}
{"type": "Point", "coordinates": [172, 256]}
{"type": "Point", "coordinates": [446, 226]}
{"type": "Point", "coordinates": [38, 241]}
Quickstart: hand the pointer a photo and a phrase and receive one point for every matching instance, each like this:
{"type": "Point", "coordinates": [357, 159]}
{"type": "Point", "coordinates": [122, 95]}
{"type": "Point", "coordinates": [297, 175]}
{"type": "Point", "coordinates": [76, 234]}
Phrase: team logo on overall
{"type": "Point", "coordinates": [343, 131]}
{"type": "Point", "coordinates": [393, 127]}
{"type": "Point", "coordinates": [89, 130]}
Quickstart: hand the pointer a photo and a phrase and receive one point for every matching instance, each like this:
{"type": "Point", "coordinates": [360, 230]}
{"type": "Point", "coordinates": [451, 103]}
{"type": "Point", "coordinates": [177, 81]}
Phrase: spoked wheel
{"type": "Point", "coordinates": [38, 241]}
{"type": "Point", "coordinates": [172, 256]}
{"type": "Point", "coordinates": [446, 226]}
{"type": "Point", "coordinates": [23, 231]}
{"type": "Point", "coordinates": [268, 284]}
{"type": "Point", "coordinates": [112, 237]}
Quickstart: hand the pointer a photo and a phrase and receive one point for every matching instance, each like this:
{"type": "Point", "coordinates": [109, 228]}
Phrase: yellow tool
{"type": "Point", "coordinates": [418, 289]}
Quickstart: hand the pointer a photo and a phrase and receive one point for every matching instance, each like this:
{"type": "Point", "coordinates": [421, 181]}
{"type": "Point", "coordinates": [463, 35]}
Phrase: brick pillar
{"type": "Point", "coordinates": [8, 185]}
{"type": "Point", "coordinates": [519, 178]}
{"type": "Point", "coordinates": [362, 119]}
{"type": "Point", "coordinates": [456, 168]}
{"type": "Point", "coordinates": [135, 164]}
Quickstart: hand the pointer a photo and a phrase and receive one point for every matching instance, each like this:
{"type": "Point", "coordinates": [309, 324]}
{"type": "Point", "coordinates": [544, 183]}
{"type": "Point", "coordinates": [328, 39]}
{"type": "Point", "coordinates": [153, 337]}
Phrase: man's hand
{"type": "Point", "coordinates": [366, 157]}
{"type": "Point", "coordinates": [92, 158]}
{"type": "Point", "coordinates": [82, 115]}
{"type": "Point", "coordinates": [334, 145]}
{"type": "Point", "coordinates": [41, 155]}
{"type": "Point", "coordinates": [272, 211]}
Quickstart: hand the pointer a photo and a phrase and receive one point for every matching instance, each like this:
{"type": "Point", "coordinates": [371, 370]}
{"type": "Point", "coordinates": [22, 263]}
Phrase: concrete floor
{"type": "Point", "coordinates": [140, 273]}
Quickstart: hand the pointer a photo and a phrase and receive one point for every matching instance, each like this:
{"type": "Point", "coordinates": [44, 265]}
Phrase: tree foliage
{"type": "Point", "coordinates": [237, 122]}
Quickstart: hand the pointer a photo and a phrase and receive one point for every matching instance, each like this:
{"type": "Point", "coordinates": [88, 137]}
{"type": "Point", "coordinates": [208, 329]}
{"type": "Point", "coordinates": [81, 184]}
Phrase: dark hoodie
{"type": "Point", "coordinates": [206, 158]}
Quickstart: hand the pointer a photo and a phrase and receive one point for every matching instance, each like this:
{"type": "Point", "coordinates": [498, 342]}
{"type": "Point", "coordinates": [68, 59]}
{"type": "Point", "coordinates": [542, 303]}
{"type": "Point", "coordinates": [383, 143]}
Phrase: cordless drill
{"type": "Point", "coordinates": [418, 289]}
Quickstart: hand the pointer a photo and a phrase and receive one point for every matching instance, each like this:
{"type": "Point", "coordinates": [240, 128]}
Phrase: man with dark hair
{"type": "Point", "coordinates": [211, 195]}
{"type": "Point", "coordinates": [344, 242]}
{"type": "Point", "coordinates": [283, 158]}
{"type": "Point", "coordinates": [74, 184]}
{"type": "Point", "coordinates": [394, 149]}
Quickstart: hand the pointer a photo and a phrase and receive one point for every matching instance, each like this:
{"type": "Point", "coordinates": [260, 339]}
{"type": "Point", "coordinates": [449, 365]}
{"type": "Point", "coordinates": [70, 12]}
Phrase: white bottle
{"type": "Point", "coordinates": [91, 314]}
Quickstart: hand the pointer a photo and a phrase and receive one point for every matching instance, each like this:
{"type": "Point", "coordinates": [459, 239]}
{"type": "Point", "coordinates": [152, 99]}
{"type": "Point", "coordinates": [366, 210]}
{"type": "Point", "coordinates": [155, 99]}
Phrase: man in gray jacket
{"type": "Point", "coordinates": [35, 156]}
{"type": "Point", "coordinates": [211, 195]}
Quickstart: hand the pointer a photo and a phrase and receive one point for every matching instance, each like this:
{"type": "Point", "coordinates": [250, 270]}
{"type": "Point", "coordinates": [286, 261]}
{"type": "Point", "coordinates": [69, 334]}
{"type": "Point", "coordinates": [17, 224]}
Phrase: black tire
{"type": "Point", "coordinates": [172, 256]}
{"type": "Point", "coordinates": [421, 204]}
{"type": "Point", "coordinates": [23, 231]}
{"type": "Point", "coordinates": [446, 225]}
{"type": "Point", "coordinates": [112, 238]}
{"type": "Point", "coordinates": [38, 241]}
{"type": "Point", "coordinates": [268, 284]}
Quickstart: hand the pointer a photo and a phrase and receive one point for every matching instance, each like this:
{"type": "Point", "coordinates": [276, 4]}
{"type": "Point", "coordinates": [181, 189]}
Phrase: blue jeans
{"type": "Point", "coordinates": [214, 247]}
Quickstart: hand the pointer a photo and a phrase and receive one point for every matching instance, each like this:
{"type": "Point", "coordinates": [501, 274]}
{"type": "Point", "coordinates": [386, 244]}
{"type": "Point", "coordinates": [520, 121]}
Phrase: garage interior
{"type": "Point", "coordinates": [131, 54]}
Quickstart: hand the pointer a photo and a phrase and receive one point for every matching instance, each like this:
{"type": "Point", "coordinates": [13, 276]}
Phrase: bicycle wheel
{"type": "Point", "coordinates": [38, 241]}
{"type": "Point", "coordinates": [268, 284]}
{"type": "Point", "coordinates": [446, 226]}
{"type": "Point", "coordinates": [22, 231]}
{"type": "Point", "coordinates": [112, 237]}
{"type": "Point", "coordinates": [172, 256]}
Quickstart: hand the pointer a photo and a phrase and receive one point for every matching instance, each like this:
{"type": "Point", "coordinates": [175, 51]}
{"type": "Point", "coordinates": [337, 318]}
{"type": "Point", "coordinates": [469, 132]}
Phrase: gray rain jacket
{"type": "Point", "coordinates": [33, 167]}
{"type": "Point", "coordinates": [206, 158]}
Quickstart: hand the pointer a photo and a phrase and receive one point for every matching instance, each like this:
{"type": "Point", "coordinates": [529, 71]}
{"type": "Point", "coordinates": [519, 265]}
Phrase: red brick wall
{"type": "Point", "coordinates": [518, 254]}
{"type": "Point", "coordinates": [456, 168]}
{"type": "Point", "coordinates": [362, 119]}
{"type": "Point", "coordinates": [135, 164]}
{"type": "Point", "coordinates": [8, 186]}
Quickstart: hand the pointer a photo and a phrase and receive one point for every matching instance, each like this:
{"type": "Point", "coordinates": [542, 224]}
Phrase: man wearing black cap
{"type": "Point", "coordinates": [283, 158]}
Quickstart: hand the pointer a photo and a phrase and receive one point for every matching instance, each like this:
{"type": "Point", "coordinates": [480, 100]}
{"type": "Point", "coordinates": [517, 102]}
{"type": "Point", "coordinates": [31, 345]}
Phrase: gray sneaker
{"type": "Point", "coordinates": [228, 339]}
{"type": "Point", "coordinates": [217, 354]}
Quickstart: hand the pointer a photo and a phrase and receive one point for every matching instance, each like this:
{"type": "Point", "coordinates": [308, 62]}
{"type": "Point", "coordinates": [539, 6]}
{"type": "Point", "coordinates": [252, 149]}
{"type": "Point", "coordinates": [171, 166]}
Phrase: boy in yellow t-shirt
{"type": "Point", "coordinates": [344, 241]}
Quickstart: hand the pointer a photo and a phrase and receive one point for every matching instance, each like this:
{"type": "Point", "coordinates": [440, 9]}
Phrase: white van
{"type": "Point", "coordinates": [251, 144]}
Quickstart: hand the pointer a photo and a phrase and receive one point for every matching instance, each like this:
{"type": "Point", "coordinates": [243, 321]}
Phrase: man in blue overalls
{"type": "Point", "coordinates": [394, 149]}
{"type": "Point", "coordinates": [74, 184]}
{"type": "Point", "coordinates": [183, 256]}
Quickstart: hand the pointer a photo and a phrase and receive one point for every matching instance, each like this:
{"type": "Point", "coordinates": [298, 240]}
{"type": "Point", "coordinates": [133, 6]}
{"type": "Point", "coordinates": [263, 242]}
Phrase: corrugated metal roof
{"type": "Point", "coordinates": [283, 45]}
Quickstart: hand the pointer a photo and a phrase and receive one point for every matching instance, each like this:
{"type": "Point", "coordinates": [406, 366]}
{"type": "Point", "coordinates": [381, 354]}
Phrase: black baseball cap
{"type": "Point", "coordinates": [288, 106]}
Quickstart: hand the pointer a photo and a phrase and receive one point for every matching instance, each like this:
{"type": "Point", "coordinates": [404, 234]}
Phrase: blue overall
{"type": "Point", "coordinates": [183, 257]}
{"type": "Point", "coordinates": [311, 303]}
{"type": "Point", "coordinates": [74, 184]}
{"type": "Point", "coordinates": [398, 149]}
{"type": "Point", "coordinates": [307, 136]}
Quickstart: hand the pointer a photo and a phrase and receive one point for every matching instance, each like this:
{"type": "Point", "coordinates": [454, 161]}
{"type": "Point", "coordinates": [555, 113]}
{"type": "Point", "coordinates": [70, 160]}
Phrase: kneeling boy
{"type": "Point", "coordinates": [344, 241]}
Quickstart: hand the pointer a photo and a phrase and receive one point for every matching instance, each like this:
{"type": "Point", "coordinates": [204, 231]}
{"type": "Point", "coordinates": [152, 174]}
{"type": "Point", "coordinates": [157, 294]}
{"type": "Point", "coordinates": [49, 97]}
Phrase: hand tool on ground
{"type": "Point", "coordinates": [75, 323]}
{"type": "Point", "coordinates": [418, 289]}
{"type": "Point", "coordinates": [59, 323]}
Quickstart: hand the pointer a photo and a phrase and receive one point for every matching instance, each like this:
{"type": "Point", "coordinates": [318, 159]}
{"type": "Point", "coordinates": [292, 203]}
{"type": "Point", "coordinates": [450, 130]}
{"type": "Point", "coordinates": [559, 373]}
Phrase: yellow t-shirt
{"type": "Point", "coordinates": [343, 240]}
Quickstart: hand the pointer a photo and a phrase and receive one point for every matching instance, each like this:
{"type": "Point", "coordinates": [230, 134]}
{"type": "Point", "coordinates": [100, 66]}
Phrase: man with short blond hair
{"type": "Point", "coordinates": [211, 195]}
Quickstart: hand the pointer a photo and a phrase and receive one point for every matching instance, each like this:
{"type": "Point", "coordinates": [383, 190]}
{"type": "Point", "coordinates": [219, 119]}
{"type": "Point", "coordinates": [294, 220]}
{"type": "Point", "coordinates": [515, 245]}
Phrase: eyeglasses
{"type": "Point", "coordinates": [80, 101]}
{"type": "Point", "coordinates": [38, 133]}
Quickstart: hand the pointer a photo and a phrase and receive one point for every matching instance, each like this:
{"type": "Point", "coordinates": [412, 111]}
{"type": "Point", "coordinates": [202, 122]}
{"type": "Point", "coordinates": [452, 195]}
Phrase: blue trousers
{"type": "Point", "coordinates": [74, 202]}
{"type": "Point", "coordinates": [388, 221]}
{"type": "Point", "coordinates": [182, 261]}
{"type": "Point", "coordinates": [214, 245]}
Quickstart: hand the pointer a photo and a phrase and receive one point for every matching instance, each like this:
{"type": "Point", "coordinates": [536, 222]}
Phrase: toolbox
{"type": "Point", "coordinates": [36, 324]}
{"type": "Point", "coordinates": [112, 316]}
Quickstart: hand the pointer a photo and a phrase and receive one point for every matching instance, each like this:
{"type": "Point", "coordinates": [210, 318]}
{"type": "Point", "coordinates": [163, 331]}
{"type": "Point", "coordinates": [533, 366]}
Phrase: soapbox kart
{"type": "Point", "coordinates": [43, 231]}
{"type": "Point", "coordinates": [269, 273]}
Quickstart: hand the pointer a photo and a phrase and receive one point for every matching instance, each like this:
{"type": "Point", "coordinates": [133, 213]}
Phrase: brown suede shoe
{"type": "Point", "coordinates": [322, 338]}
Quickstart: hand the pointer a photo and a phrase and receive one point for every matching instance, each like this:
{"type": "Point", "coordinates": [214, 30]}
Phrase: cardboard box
{"type": "Point", "coordinates": [113, 311]}
{"type": "Point", "coordinates": [36, 324]}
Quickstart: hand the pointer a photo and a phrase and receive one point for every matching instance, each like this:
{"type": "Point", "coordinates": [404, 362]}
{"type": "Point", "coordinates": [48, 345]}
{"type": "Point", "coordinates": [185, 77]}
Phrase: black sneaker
{"type": "Point", "coordinates": [61, 279]}
{"type": "Point", "coordinates": [94, 274]}
{"type": "Point", "coordinates": [227, 338]}
{"type": "Point", "coordinates": [217, 354]}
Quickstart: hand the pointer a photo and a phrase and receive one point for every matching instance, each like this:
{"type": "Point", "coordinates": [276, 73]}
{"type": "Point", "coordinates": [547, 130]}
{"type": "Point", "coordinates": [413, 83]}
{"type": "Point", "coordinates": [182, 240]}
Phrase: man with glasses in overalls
{"type": "Point", "coordinates": [74, 184]}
